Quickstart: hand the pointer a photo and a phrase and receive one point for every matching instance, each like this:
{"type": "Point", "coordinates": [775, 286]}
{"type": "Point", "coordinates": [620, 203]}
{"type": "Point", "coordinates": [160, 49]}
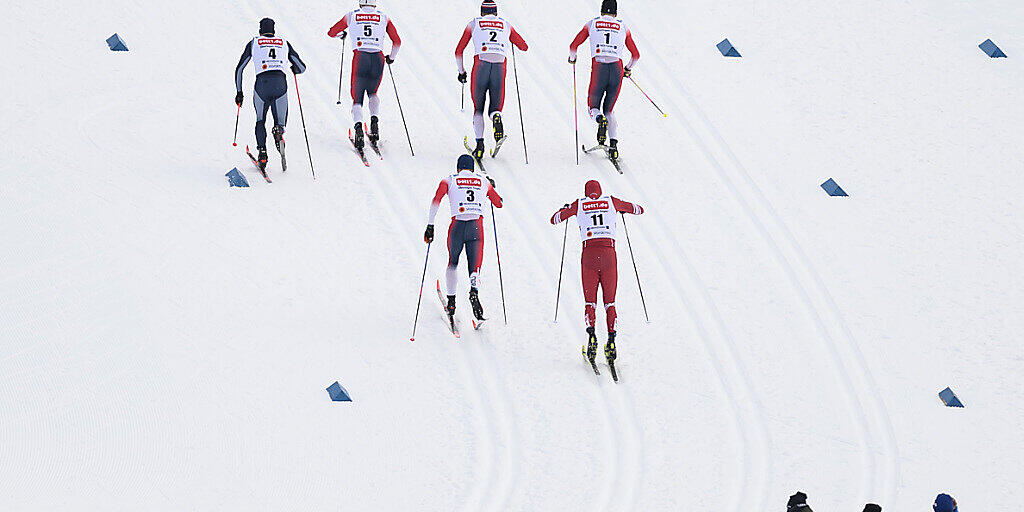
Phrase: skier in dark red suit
{"type": "Point", "coordinates": [598, 221]}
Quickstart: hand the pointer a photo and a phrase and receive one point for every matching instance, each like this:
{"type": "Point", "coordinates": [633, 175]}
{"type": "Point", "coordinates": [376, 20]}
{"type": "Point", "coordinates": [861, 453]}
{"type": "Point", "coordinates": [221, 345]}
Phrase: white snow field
{"type": "Point", "coordinates": [166, 341]}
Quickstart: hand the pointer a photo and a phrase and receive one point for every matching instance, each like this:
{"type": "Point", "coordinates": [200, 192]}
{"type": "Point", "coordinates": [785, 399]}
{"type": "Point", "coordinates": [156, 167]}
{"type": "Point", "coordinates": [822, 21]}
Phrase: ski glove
{"type": "Point", "coordinates": [428, 235]}
{"type": "Point", "coordinates": [572, 60]}
{"type": "Point", "coordinates": [296, 70]}
{"type": "Point", "coordinates": [490, 179]}
{"type": "Point", "coordinates": [626, 72]}
{"type": "Point", "coordinates": [342, 35]}
{"type": "Point", "coordinates": [462, 77]}
{"type": "Point", "coordinates": [239, 98]}
{"type": "Point", "coordinates": [389, 59]}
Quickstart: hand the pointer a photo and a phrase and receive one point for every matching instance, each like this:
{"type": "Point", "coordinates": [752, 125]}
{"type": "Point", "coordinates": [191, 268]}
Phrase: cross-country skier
{"type": "Point", "coordinates": [609, 39]}
{"type": "Point", "coordinates": [466, 190]}
{"type": "Point", "coordinates": [269, 55]}
{"type": "Point", "coordinates": [596, 215]}
{"type": "Point", "coordinates": [492, 38]}
{"type": "Point", "coordinates": [368, 27]}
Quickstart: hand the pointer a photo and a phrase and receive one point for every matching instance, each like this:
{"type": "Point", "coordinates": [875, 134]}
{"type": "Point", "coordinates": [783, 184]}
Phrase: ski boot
{"type": "Point", "coordinates": [374, 134]}
{"type": "Point", "coordinates": [613, 149]}
{"type": "Point", "coordinates": [450, 309]}
{"type": "Point", "coordinates": [499, 129]}
{"type": "Point", "coordinates": [609, 349]}
{"type": "Point", "coordinates": [590, 349]}
{"type": "Point", "coordinates": [357, 139]}
{"type": "Point", "coordinates": [474, 300]}
{"type": "Point", "coordinates": [602, 129]}
{"type": "Point", "coordinates": [278, 132]}
{"type": "Point", "coordinates": [261, 159]}
{"type": "Point", "coordinates": [478, 153]}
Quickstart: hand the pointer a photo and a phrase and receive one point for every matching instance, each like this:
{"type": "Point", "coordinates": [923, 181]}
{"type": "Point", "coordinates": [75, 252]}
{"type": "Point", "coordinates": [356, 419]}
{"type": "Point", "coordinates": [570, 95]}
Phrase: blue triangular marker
{"type": "Point", "coordinates": [338, 393]}
{"type": "Point", "coordinates": [991, 49]}
{"type": "Point", "coordinates": [949, 398]}
{"type": "Point", "coordinates": [116, 44]}
{"type": "Point", "coordinates": [833, 188]}
{"type": "Point", "coordinates": [236, 179]}
{"type": "Point", "coordinates": [727, 49]}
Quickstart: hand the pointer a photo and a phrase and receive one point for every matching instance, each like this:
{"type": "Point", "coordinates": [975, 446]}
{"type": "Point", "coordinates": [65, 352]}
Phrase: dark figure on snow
{"type": "Point", "coordinates": [270, 55]}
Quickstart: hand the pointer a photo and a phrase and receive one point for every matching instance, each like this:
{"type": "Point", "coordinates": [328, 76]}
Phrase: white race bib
{"type": "Point", "coordinates": [466, 192]}
{"type": "Point", "coordinates": [607, 37]}
{"type": "Point", "coordinates": [369, 27]}
{"type": "Point", "coordinates": [269, 54]}
{"type": "Point", "coordinates": [597, 218]}
{"type": "Point", "coordinates": [491, 35]}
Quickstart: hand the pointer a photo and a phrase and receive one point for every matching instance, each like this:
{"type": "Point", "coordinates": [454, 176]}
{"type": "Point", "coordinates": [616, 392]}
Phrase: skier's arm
{"type": "Point", "coordinates": [565, 213]}
{"type": "Point", "coordinates": [631, 45]}
{"type": "Point", "coordinates": [518, 40]}
{"type": "Point", "coordinates": [298, 67]}
{"type": "Point", "coordinates": [442, 190]}
{"type": "Point", "coordinates": [338, 27]}
{"type": "Point", "coordinates": [493, 196]}
{"type": "Point", "coordinates": [461, 47]}
{"type": "Point", "coordinates": [240, 68]}
{"type": "Point", "coordinates": [580, 38]}
{"type": "Point", "coordinates": [627, 207]}
{"type": "Point", "coordinates": [396, 42]}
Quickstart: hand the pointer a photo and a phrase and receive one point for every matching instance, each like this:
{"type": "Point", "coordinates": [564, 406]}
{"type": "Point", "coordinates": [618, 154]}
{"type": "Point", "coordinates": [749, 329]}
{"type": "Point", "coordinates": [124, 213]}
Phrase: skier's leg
{"type": "Point", "coordinates": [496, 89]}
{"type": "Point", "coordinates": [614, 88]}
{"type": "Point", "coordinates": [478, 92]}
{"type": "Point", "coordinates": [595, 92]}
{"type": "Point", "coordinates": [376, 74]}
{"type": "Point", "coordinates": [455, 245]}
{"type": "Point", "coordinates": [591, 280]}
{"type": "Point", "coordinates": [609, 285]}
{"type": "Point", "coordinates": [261, 107]}
{"type": "Point", "coordinates": [358, 89]}
{"type": "Point", "coordinates": [475, 251]}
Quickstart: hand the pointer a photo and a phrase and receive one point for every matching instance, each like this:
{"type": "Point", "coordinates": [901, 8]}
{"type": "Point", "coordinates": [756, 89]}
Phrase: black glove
{"type": "Point", "coordinates": [296, 70]}
{"type": "Point", "coordinates": [490, 179]}
{"type": "Point", "coordinates": [428, 235]}
{"type": "Point", "coordinates": [342, 35]}
{"type": "Point", "coordinates": [239, 97]}
{"type": "Point", "coordinates": [566, 206]}
{"type": "Point", "coordinates": [389, 60]}
{"type": "Point", "coordinates": [626, 72]}
{"type": "Point", "coordinates": [572, 60]}
{"type": "Point", "coordinates": [462, 77]}
{"type": "Point", "coordinates": [871, 507]}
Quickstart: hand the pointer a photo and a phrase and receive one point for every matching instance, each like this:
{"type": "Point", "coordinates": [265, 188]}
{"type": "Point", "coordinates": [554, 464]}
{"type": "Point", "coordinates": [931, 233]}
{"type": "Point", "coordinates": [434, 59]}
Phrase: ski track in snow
{"type": "Point", "coordinates": [875, 427]}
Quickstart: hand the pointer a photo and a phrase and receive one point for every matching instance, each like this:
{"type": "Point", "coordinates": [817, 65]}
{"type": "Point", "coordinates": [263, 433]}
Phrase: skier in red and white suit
{"type": "Point", "coordinates": [492, 38]}
{"type": "Point", "coordinates": [598, 222]}
{"type": "Point", "coordinates": [466, 190]}
{"type": "Point", "coordinates": [368, 27]}
{"type": "Point", "coordinates": [609, 39]}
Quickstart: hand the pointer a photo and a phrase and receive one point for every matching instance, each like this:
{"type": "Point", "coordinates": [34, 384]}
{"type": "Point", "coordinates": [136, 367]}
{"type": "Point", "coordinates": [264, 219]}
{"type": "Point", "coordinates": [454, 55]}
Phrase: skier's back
{"type": "Point", "coordinates": [368, 26]}
{"type": "Point", "coordinates": [466, 191]}
{"type": "Point", "coordinates": [492, 38]}
{"type": "Point", "coordinates": [596, 214]}
{"type": "Point", "coordinates": [609, 39]}
{"type": "Point", "coordinates": [270, 55]}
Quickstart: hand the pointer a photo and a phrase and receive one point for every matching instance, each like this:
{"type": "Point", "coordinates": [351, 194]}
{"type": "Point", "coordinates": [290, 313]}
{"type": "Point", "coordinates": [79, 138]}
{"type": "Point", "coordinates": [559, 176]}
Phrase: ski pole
{"type": "Point", "coordinates": [304, 132]}
{"type": "Point", "coordinates": [237, 115]}
{"type": "Point", "coordinates": [515, 72]}
{"type": "Point", "coordinates": [635, 271]}
{"type": "Point", "coordinates": [463, 107]}
{"type": "Point", "coordinates": [576, 113]}
{"type": "Point", "coordinates": [420, 299]}
{"type": "Point", "coordinates": [648, 97]}
{"type": "Point", "coordinates": [561, 266]}
{"type": "Point", "coordinates": [393, 84]}
{"type": "Point", "coordinates": [341, 70]}
{"type": "Point", "coordinates": [497, 251]}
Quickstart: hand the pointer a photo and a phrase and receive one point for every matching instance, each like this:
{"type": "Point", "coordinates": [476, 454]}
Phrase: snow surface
{"type": "Point", "coordinates": [166, 341]}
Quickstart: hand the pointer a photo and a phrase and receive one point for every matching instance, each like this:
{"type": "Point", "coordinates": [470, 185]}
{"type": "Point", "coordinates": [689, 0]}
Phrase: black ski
{"type": "Point", "coordinates": [611, 366]}
{"type": "Point", "coordinates": [453, 324]}
{"type": "Point", "coordinates": [359, 151]}
{"type": "Point", "coordinates": [607, 153]}
{"type": "Point", "coordinates": [375, 146]}
{"type": "Point", "coordinates": [280, 149]}
{"type": "Point", "coordinates": [593, 363]}
{"type": "Point", "coordinates": [262, 168]}
{"type": "Point", "coordinates": [479, 162]}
